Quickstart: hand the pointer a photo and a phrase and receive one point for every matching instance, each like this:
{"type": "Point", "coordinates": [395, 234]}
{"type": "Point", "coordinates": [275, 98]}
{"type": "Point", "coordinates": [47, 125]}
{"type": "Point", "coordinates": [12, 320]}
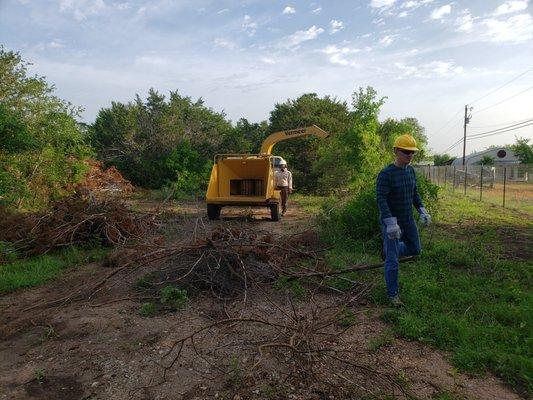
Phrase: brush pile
{"type": "Point", "coordinates": [304, 344]}
{"type": "Point", "coordinates": [225, 262]}
{"type": "Point", "coordinates": [95, 213]}
{"type": "Point", "coordinates": [103, 183]}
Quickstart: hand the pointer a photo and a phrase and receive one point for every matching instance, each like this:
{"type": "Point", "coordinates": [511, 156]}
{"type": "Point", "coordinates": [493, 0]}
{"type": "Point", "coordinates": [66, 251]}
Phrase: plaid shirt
{"type": "Point", "coordinates": [396, 193]}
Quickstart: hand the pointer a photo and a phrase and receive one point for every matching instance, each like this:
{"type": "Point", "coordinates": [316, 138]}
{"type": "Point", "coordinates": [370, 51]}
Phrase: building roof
{"type": "Point", "coordinates": [501, 155]}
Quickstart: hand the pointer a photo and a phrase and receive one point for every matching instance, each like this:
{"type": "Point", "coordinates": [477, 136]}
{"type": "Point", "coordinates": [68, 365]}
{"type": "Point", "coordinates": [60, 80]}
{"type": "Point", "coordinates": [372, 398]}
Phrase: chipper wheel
{"type": "Point", "coordinates": [213, 211]}
{"type": "Point", "coordinates": [274, 211]}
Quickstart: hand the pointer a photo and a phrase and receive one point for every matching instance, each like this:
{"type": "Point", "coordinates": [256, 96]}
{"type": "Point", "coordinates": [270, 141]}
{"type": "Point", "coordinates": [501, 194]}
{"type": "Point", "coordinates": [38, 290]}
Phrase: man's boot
{"type": "Point", "coordinates": [396, 301]}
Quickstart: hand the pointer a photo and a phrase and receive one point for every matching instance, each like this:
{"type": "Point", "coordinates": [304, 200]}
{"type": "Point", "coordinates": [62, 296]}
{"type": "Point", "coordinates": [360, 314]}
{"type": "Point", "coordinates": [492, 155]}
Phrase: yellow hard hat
{"type": "Point", "coordinates": [406, 142]}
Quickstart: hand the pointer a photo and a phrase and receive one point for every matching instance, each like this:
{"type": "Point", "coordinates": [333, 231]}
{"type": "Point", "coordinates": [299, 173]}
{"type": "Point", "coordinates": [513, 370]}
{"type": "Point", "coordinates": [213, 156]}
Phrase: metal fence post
{"type": "Point", "coordinates": [481, 183]}
{"type": "Point", "coordinates": [454, 178]}
{"type": "Point", "coordinates": [504, 182]}
{"type": "Point", "coordinates": [466, 171]}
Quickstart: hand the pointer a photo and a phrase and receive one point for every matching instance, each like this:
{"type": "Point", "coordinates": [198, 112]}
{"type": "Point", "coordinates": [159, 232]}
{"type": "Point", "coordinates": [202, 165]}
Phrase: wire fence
{"type": "Point", "coordinates": [508, 186]}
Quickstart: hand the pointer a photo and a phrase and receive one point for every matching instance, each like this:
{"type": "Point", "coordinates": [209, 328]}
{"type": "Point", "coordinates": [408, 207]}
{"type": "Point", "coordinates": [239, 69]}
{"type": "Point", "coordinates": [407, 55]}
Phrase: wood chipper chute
{"type": "Point", "coordinates": [248, 179]}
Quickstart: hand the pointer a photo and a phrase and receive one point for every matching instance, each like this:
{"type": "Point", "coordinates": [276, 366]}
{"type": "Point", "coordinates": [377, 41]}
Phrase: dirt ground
{"type": "Point", "coordinates": [57, 343]}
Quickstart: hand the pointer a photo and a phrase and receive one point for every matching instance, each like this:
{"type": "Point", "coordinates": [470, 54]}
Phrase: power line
{"type": "Point", "coordinates": [497, 133]}
{"type": "Point", "coordinates": [481, 135]}
{"type": "Point", "coordinates": [503, 123]}
{"type": "Point", "coordinates": [452, 128]}
{"type": "Point", "coordinates": [447, 134]}
{"type": "Point", "coordinates": [446, 124]}
{"type": "Point", "coordinates": [504, 100]}
{"type": "Point", "coordinates": [504, 128]}
{"type": "Point", "coordinates": [448, 131]}
{"type": "Point", "coordinates": [500, 87]}
{"type": "Point", "coordinates": [486, 108]}
{"type": "Point", "coordinates": [454, 145]}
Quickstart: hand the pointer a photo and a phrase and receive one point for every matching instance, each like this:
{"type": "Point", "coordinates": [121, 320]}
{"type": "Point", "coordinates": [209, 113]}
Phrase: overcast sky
{"type": "Point", "coordinates": [429, 57]}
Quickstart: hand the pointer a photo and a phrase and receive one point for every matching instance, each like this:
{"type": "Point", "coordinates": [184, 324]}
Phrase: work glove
{"type": "Point", "coordinates": [392, 228]}
{"type": "Point", "coordinates": [425, 218]}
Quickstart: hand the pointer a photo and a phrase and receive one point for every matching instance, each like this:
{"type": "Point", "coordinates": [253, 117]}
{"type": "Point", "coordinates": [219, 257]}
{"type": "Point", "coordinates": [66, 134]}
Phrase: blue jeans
{"type": "Point", "coordinates": [407, 245]}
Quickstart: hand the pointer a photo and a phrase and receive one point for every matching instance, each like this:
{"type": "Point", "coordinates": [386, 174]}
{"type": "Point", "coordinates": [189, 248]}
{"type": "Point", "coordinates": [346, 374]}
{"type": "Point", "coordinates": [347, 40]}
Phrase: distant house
{"type": "Point", "coordinates": [502, 156]}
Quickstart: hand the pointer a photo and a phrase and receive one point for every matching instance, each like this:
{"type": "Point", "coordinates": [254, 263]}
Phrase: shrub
{"type": "Point", "coordinates": [347, 317]}
{"type": "Point", "coordinates": [147, 310]}
{"type": "Point", "coordinates": [356, 219]}
{"type": "Point", "coordinates": [144, 282]}
{"type": "Point", "coordinates": [429, 193]}
{"type": "Point", "coordinates": [352, 219]}
{"type": "Point", "coordinates": [292, 286]}
{"type": "Point", "coordinates": [174, 297]}
{"type": "Point", "coordinates": [41, 144]}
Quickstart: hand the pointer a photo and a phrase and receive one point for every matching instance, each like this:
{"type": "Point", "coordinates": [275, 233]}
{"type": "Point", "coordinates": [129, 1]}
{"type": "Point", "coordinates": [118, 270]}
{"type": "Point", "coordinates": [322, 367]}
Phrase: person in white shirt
{"type": "Point", "coordinates": [283, 181]}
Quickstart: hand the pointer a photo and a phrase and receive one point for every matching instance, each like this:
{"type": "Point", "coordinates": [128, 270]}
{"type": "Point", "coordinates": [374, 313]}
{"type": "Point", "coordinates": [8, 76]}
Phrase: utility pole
{"type": "Point", "coordinates": [467, 120]}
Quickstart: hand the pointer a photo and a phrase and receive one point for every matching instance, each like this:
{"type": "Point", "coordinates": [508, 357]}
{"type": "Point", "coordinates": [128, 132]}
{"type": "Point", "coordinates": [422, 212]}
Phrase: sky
{"type": "Point", "coordinates": [429, 57]}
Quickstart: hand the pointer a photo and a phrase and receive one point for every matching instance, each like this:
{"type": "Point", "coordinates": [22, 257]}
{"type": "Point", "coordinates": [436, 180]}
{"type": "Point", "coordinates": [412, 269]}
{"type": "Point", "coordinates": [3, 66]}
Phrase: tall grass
{"type": "Point", "coordinates": [37, 270]}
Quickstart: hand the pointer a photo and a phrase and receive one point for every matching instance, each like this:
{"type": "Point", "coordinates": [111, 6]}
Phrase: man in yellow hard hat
{"type": "Point", "coordinates": [397, 193]}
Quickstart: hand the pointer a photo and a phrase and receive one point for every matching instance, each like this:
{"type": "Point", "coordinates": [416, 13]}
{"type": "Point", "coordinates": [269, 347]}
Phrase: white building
{"type": "Point", "coordinates": [501, 155]}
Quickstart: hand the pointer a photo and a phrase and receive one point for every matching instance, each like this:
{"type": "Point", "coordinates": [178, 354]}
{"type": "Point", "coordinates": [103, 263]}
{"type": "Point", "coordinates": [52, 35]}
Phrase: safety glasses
{"type": "Point", "coordinates": [407, 152]}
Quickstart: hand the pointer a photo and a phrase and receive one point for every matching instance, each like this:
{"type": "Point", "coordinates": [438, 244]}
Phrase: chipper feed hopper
{"type": "Point", "coordinates": [248, 179]}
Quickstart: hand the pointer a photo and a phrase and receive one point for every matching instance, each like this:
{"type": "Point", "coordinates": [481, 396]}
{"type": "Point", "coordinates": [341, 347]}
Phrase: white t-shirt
{"type": "Point", "coordinates": [283, 178]}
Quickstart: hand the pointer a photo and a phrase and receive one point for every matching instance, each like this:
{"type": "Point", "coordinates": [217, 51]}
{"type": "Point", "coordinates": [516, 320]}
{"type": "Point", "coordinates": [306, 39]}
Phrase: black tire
{"type": "Point", "coordinates": [274, 211]}
{"type": "Point", "coordinates": [213, 211]}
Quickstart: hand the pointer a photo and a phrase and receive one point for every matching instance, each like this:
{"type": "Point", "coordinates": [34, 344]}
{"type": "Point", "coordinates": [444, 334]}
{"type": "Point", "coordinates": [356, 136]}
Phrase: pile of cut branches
{"type": "Point", "coordinates": [101, 183]}
{"type": "Point", "coordinates": [228, 262]}
{"type": "Point", "coordinates": [225, 262]}
{"type": "Point", "coordinates": [71, 221]}
{"type": "Point", "coordinates": [94, 213]}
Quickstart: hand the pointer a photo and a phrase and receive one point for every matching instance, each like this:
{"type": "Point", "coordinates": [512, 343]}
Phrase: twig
{"type": "Point", "coordinates": [361, 267]}
{"type": "Point", "coordinates": [124, 299]}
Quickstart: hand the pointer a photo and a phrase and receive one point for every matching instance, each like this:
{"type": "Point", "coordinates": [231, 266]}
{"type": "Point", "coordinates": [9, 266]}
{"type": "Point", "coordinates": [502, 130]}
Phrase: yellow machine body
{"type": "Point", "coordinates": [270, 141]}
{"type": "Point", "coordinates": [248, 179]}
{"type": "Point", "coordinates": [242, 179]}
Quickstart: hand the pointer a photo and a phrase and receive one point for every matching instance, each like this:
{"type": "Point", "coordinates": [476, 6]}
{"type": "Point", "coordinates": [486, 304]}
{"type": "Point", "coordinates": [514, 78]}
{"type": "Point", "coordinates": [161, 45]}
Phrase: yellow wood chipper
{"type": "Point", "coordinates": [248, 179]}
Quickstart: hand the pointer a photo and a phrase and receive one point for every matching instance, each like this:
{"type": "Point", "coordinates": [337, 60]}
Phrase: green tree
{"type": "Point", "coordinates": [41, 145]}
{"type": "Point", "coordinates": [352, 158]}
{"type": "Point", "coordinates": [14, 133]}
{"type": "Point", "coordinates": [442, 159]}
{"type": "Point", "coordinates": [190, 169]}
{"type": "Point", "coordinates": [523, 150]}
{"type": "Point", "coordinates": [485, 160]}
{"type": "Point", "coordinates": [144, 139]}
{"type": "Point", "coordinates": [390, 129]}
{"type": "Point", "coordinates": [327, 112]}
{"type": "Point", "coordinates": [252, 133]}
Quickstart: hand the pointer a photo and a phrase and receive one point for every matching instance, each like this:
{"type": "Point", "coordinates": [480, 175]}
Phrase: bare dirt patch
{"type": "Point", "coordinates": [79, 338]}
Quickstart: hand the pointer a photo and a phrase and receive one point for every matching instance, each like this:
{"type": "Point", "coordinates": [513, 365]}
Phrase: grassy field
{"type": "Point", "coordinates": [40, 269]}
{"type": "Point", "coordinates": [470, 292]}
{"type": "Point", "coordinates": [518, 195]}
{"type": "Point", "coordinates": [309, 204]}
